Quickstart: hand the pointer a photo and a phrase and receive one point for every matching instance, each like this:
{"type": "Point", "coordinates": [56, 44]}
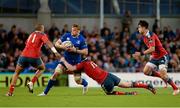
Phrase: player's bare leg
{"type": "Point", "coordinates": [125, 84]}
{"type": "Point", "coordinates": [81, 81]}
{"type": "Point", "coordinates": [148, 70]}
{"type": "Point", "coordinates": [14, 80]}
{"type": "Point", "coordinates": [163, 73]}
{"type": "Point", "coordinates": [38, 73]}
{"type": "Point", "coordinates": [58, 71]}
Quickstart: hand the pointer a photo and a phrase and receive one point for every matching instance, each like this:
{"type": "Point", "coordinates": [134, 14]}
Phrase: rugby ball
{"type": "Point", "coordinates": [67, 44]}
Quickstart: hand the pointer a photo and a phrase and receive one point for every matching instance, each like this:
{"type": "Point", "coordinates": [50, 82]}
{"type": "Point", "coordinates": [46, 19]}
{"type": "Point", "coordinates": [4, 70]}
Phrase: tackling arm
{"type": "Point", "coordinates": [59, 45]}
{"type": "Point", "coordinates": [69, 66]}
{"type": "Point", "coordinates": [49, 44]}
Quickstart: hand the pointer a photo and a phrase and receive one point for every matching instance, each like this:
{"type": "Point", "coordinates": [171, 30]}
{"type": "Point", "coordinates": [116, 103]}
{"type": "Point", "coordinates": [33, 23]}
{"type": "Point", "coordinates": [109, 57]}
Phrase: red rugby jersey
{"type": "Point", "coordinates": [34, 44]}
{"type": "Point", "coordinates": [152, 40]}
{"type": "Point", "coordinates": [93, 71]}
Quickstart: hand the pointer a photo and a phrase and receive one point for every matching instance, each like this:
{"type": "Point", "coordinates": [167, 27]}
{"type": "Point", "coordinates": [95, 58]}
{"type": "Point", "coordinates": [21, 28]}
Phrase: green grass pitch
{"type": "Point", "coordinates": [72, 97]}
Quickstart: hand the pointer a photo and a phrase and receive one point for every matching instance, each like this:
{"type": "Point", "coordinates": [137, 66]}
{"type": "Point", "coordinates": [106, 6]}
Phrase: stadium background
{"type": "Point", "coordinates": [110, 32]}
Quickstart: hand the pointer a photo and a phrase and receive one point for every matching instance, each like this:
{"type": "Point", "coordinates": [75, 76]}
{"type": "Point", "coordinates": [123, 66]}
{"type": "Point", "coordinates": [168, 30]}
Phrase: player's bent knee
{"type": "Point", "coordinates": [59, 69]}
{"type": "Point", "coordinates": [147, 70]}
{"type": "Point", "coordinates": [55, 75]}
{"type": "Point", "coordinates": [19, 69]}
{"type": "Point", "coordinates": [41, 68]}
{"type": "Point", "coordinates": [163, 68]}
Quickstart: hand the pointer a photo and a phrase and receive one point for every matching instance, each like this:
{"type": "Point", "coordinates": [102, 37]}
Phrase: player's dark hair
{"type": "Point", "coordinates": [143, 23]}
{"type": "Point", "coordinates": [77, 26]}
{"type": "Point", "coordinates": [39, 27]}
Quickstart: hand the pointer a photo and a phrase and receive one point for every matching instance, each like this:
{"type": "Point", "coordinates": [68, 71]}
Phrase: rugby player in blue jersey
{"type": "Point", "coordinates": [73, 55]}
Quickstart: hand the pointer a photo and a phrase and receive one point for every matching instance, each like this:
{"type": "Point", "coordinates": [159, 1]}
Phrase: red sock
{"type": "Point", "coordinates": [123, 93]}
{"type": "Point", "coordinates": [119, 93]}
{"type": "Point", "coordinates": [11, 89]}
{"type": "Point", "coordinates": [34, 79]}
{"type": "Point", "coordinates": [156, 74]}
{"type": "Point", "coordinates": [116, 93]}
{"type": "Point", "coordinates": [172, 84]}
{"type": "Point", "coordinates": [139, 85]}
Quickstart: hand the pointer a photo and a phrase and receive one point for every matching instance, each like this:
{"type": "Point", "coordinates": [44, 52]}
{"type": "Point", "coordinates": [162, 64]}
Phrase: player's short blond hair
{"type": "Point", "coordinates": [77, 26]}
{"type": "Point", "coordinates": [39, 27]}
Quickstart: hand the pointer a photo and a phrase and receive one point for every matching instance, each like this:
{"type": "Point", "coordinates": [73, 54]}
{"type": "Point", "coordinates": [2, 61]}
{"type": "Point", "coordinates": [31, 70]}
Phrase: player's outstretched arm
{"type": "Point", "coordinates": [50, 45]}
{"type": "Point", "coordinates": [59, 45]}
{"type": "Point", "coordinates": [69, 66]}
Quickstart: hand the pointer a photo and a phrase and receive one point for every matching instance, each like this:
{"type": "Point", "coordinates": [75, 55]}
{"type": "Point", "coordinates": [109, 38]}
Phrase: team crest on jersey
{"type": "Point", "coordinates": [78, 42]}
{"type": "Point", "coordinates": [68, 39]}
{"type": "Point", "coordinates": [150, 40]}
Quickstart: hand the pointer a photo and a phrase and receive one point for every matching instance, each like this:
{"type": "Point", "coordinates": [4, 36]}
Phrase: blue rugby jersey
{"type": "Point", "coordinates": [78, 42]}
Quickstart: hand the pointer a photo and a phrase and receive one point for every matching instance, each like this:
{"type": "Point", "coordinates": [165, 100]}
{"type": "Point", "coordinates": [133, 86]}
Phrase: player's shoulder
{"type": "Point", "coordinates": [81, 37]}
{"type": "Point", "coordinates": [150, 34]}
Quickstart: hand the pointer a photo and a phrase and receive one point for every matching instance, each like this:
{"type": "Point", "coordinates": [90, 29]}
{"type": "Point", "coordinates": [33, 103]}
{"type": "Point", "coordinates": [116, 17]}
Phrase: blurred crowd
{"type": "Point", "coordinates": [110, 49]}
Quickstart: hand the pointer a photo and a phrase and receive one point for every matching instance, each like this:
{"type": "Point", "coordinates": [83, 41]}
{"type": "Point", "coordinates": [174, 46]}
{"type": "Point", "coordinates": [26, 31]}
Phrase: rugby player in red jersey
{"type": "Point", "coordinates": [31, 56]}
{"type": "Point", "coordinates": [159, 56]}
{"type": "Point", "coordinates": [107, 80]}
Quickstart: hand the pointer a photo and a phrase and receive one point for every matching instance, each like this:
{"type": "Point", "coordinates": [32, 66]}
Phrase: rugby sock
{"type": "Point", "coordinates": [11, 88]}
{"type": "Point", "coordinates": [139, 85]}
{"type": "Point", "coordinates": [169, 80]}
{"type": "Point", "coordinates": [49, 86]}
{"type": "Point", "coordinates": [157, 74]}
{"type": "Point", "coordinates": [121, 93]}
{"type": "Point", "coordinates": [116, 93]}
{"type": "Point", "coordinates": [34, 79]}
{"type": "Point", "coordinates": [84, 82]}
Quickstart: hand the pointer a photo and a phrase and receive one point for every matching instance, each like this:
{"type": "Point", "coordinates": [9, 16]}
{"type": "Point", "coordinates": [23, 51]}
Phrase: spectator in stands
{"type": "Point", "coordinates": [12, 33]}
{"type": "Point", "coordinates": [155, 26]}
{"type": "Point", "coordinates": [105, 28]}
{"type": "Point", "coordinates": [127, 20]}
{"type": "Point", "coordinates": [51, 31]}
{"type": "Point", "coordinates": [168, 33]}
{"type": "Point", "coordinates": [65, 29]}
{"type": "Point", "coordinates": [2, 29]}
{"type": "Point", "coordinates": [84, 31]}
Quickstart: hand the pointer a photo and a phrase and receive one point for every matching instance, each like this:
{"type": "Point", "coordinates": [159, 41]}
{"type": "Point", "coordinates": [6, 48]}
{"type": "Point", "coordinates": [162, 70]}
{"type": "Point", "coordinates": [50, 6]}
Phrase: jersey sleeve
{"type": "Point", "coordinates": [79, 66]}
{"type": "Point", "coordinates": [83, 44]}
{"type": "Point", "coordinates": [151, 41]}
{"type": "Point", "coordinates": [45, 38]}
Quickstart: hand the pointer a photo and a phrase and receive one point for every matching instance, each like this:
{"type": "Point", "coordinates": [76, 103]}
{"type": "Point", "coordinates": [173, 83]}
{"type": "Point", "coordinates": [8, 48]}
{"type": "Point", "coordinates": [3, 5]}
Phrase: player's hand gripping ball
{"type": "Point", "coordinates": [67, 44]}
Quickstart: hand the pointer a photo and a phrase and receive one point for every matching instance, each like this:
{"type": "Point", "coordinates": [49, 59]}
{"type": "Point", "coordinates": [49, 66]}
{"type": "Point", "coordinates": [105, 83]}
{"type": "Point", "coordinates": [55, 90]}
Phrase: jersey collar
{"type": "Point", "coordinates": [148, 34]}
{"type": "Point", "coordinates": [75, 36]}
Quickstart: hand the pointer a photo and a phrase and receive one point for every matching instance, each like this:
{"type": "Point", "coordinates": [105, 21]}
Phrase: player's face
{"type": "Point", "coordinates": [74, 31]}
{"type": "Point", "coordinates": [141, 29]}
